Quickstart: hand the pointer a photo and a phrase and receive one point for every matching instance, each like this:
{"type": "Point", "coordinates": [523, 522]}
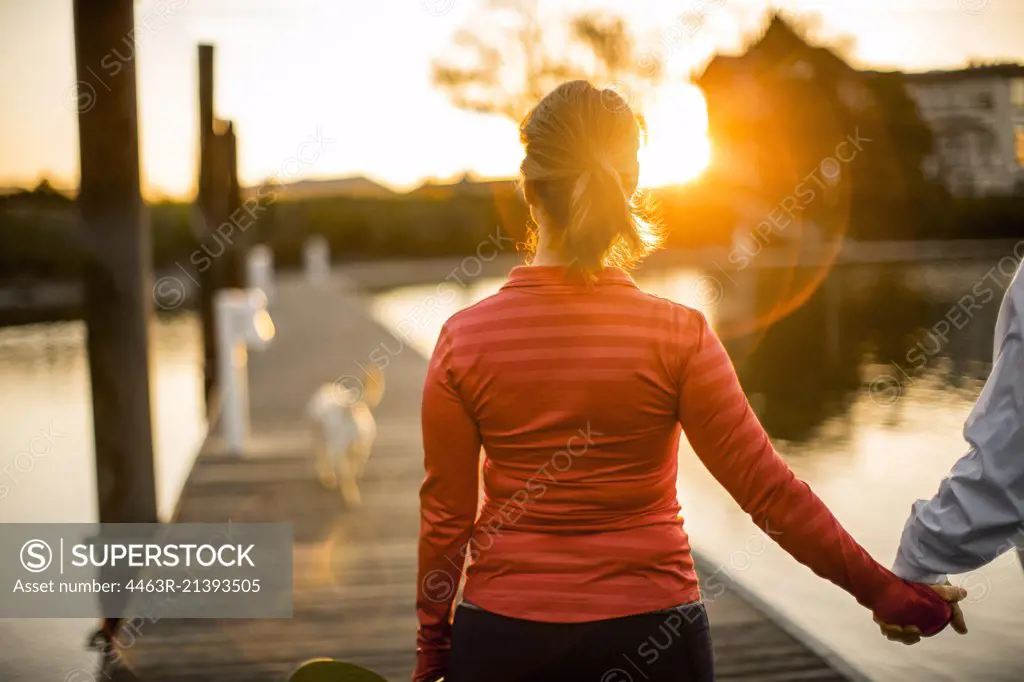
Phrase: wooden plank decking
{"type": "Point", "coordinates": [355, 570]}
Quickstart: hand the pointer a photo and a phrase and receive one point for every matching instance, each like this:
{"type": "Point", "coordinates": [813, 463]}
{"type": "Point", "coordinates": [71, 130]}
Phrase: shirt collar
{"type": "Point", "coordinates": [547, 275]}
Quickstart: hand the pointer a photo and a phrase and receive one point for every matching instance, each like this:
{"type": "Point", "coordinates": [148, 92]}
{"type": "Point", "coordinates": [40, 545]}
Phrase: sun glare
{"type": "Point", "coordinates": [677, 149]}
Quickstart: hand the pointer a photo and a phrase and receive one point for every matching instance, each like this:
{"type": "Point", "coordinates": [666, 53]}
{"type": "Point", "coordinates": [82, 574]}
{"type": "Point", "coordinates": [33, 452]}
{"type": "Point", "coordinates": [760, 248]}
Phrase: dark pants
{"type": "Point", "coordinates": [666, 646]}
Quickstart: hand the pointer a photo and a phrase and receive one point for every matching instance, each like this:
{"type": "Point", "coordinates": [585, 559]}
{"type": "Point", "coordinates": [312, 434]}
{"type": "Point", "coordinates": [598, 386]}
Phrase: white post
{"type": "Point", "coordinates": [260, 270]}
{"type": "Point", "coordinates": [316, 256]}
{"type": "Point", "coordinates": [242, 320]}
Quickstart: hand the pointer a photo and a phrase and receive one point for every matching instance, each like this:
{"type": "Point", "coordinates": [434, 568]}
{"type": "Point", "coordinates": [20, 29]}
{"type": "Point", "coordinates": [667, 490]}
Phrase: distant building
{"type": "Point", "coordinates": [776, 105]}
{"type": "Point", "coordinates": [465, 187]}
{"type": "Point", "coordinates": [760, 102]}
{"type": "Point", "coordinates": [772, 109]}
{"type": "Point", "coordinates": [357, 186]}
{"type": "Point", "coordinates": [794, 127]}
{"type": "Point", "coordinates": [977, 117]}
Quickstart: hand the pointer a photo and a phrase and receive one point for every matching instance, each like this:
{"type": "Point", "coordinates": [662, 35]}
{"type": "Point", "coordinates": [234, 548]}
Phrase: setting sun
{"type": "Point", "coordinates": [677, 149]}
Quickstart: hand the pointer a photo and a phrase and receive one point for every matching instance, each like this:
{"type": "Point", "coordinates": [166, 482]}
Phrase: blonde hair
{"type": "Point", "coordinates": [581, 145]}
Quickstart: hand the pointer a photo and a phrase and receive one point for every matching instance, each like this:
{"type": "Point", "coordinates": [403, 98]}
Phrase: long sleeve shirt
{"type": "Point", "coordinates": [978, 512]}
{"type": "Point", "coordinates": [578, 395]}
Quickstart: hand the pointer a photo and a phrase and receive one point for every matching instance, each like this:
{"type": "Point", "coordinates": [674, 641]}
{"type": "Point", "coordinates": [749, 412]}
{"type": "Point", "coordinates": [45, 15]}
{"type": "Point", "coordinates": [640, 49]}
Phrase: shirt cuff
{"type": "Point", "coordinates": [431, 665]}
{"type": "Point", "coordinates": [909, 571]}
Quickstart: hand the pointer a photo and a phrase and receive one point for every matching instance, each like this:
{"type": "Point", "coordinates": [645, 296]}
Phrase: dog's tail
{"type": "Point", "coordinates": [373, 386]}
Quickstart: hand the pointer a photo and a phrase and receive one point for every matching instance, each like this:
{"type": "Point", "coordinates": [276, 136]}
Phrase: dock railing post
{"type": "Point", "coordinates": [260, 270]}
{"type": "Point", "coordinates": [316, 258]}
{"type": "Point", "coordinates": [242, 322]}
{"type": "Point", "coordinates": [118, 269]}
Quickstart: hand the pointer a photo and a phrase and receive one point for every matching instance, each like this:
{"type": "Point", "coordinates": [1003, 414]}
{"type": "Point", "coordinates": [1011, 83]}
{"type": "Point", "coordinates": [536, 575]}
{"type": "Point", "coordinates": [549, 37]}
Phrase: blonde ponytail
{"type": "Point", "coordinates": [581, 146]}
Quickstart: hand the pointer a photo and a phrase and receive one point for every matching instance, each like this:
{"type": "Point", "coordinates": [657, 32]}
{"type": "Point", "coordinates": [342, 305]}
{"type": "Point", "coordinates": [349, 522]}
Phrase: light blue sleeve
{"type": "Point", "coordinates": [978, 512]}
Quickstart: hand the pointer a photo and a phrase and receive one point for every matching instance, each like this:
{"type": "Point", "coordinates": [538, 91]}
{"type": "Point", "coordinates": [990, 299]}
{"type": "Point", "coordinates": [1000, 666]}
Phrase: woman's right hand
{"type": "Point", "coordinates": [909, 611]}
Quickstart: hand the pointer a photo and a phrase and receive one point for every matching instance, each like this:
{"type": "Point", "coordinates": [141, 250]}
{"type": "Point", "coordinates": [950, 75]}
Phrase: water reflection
{"type": "Point", "coordinates": [44, 388]}
{"type": "Point", "coordinates": [863, 329]}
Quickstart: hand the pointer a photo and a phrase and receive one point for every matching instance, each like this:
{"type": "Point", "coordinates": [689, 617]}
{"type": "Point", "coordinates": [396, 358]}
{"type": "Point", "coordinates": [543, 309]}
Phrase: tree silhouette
{"type": "Point", "coordinates": [507, 58]}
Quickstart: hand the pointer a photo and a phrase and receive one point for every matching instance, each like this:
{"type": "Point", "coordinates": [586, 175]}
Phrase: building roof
{"type": "Point", "coordinates": [357, 186]}
{"type": "Point", "coordinates": [466, 185]}
{"type": "Point", "coordinates": [778, 44]}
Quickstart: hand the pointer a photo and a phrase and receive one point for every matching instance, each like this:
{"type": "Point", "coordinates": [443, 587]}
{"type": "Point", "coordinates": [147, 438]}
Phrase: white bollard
{"type": "Point", "coordinates": [260, 270]}
{"type": "Point", "coordinates": [242, 321]}
{"type": "Point", "coordinates": [316, 257]}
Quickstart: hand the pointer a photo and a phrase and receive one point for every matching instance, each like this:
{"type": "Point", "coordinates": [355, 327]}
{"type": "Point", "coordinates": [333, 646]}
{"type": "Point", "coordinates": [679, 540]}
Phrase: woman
{"type": "Point", "coordinates": [576, 385]}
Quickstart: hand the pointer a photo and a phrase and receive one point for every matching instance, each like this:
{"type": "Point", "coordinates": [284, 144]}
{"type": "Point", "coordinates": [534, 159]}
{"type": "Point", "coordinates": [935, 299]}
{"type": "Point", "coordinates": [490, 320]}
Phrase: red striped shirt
{"type": "Point", "coordinates": [578, 394]}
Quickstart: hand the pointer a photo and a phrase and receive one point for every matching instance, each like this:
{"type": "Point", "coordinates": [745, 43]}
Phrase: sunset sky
{"type": "Point", "coordinates": [359, 73]}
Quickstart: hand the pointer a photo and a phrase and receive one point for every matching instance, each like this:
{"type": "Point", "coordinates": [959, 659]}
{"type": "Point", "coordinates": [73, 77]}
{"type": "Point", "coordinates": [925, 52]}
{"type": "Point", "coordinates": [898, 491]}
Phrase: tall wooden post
{"type": "Point", "coordinates": [235, 275]}
{"type": "Point", "coordinates": [117, 272]}
{"type": "Point", "coordinates": [219, 198]}
{"type": "Point", "coordinates": [207, 195]}
{"type": "Point", "coordinates": [205, 109]}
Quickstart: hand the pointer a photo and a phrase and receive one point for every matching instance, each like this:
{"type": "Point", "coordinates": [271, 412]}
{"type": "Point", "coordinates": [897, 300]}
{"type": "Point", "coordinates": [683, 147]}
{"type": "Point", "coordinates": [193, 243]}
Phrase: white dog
{"type": "Point", "coordinates": [344, 431]}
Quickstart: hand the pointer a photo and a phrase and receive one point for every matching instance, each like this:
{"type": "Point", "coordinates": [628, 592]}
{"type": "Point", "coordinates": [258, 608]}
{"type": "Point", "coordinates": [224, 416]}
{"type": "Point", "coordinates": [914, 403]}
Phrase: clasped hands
{"type": "Point", "coordinates": [911, 634]}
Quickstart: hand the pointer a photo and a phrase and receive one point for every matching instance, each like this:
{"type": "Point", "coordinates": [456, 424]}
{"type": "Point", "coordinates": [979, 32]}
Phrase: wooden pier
{"type": "Point", "coordinates": [355, 571]}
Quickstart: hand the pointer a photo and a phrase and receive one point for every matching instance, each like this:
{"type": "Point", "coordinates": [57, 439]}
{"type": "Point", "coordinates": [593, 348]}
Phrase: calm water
{"type": "Point", "coordinates": [46, 456]}
{"type": "Point", "coordinates": [865, 393]}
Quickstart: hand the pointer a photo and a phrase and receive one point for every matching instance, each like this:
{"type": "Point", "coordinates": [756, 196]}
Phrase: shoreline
{"type": "Point", "coordinates": [61, 301]}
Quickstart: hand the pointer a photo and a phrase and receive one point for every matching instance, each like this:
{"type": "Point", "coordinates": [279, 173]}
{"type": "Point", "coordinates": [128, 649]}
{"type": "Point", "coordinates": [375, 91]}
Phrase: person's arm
{"type": "Point", "coordinates": [978, 512]}
{"type": "Point", "coordinates": [732, 444]}
{"type": "Point", "coordinates": [448, 505]}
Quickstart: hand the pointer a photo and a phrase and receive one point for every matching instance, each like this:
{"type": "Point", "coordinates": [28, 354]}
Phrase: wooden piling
{"type": "Point", "coordinates": [219, 253]}
{"type": "Point", "coordinates": [118, 268]}
{"type": "Point", "coordinates": [207, 283]}
{"type": "Point", "coordinates": [234, 275]}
